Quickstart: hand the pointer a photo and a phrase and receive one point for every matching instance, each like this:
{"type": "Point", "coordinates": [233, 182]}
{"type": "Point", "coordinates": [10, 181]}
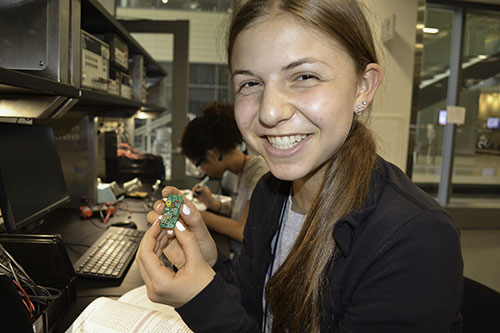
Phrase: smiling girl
{"type": "Point", "coordinates": [337, 239]}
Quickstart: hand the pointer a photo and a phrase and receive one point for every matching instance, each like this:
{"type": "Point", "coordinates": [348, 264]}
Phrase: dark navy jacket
{"type": "Point", "coordinates": [399, 270]}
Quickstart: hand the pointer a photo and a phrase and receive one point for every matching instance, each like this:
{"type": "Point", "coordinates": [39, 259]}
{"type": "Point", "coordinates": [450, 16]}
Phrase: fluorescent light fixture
{"type": "Point", "coordinates": [482, 56]}
{"type": "Point", "coordinates": [428, 30]}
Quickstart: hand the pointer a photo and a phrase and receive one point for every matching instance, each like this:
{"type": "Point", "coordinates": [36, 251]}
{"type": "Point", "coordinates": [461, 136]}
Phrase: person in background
{"type": "Point", "coordinates": [337, 239]}
{"type": "Point", "coordinates": [211, 142]}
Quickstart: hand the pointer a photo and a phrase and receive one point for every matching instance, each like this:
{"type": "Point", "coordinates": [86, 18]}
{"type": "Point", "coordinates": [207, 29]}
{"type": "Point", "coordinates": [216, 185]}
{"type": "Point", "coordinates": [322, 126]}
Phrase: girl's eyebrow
{"type": "Point", "coordinates": [291, 65]}
{"type": "Point", "coordinates": [297, 63]}
{"type": "Point", "coordinates": [241, 72]}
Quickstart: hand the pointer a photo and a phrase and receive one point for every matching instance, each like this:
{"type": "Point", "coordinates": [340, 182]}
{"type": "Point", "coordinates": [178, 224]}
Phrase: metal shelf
{"type": "Point", "coordinates": [12, 81]}
{"type": "Point", "coordinates": [17, 83]}
{"type": "Point", "coordinates": [46, 96]}
{"type": "Point", "coordinates": [97, 20]}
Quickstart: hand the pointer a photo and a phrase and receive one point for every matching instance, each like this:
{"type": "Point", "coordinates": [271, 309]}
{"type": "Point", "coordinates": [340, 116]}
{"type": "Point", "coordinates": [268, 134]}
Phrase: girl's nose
{"type": "Point", "coordinates": [275, 106]}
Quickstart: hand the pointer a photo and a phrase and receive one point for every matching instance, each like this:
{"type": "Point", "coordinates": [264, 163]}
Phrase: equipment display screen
{"type": "Point", "coordinates": [31, 178]}
{"type": "Point", "coordinates": [493, 123]}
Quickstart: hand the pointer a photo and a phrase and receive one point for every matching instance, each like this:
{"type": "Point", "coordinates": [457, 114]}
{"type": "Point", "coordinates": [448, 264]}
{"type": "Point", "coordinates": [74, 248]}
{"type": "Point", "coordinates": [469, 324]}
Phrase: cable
{"type": "Point", "coordinates": [123, 204]}
{"type": "Point", "coordinates": [71, 245]}
{"type": "Point", "coordinates": [97, 225]}
{"type": "Point", "coordinates": [13, 272]}
{"type": "Point", "coordinates": [34, 297]}
{"type": "Point", "coordinates": [25, 299]}
{"type": "Point", "coordinates": [19, 267]}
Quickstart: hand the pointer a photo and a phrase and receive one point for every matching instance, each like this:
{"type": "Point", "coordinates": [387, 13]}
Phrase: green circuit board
{"type": "Point", "coordinates": [171, 211]}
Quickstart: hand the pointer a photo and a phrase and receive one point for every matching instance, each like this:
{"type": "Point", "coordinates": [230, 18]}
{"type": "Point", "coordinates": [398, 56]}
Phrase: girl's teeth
{"type": "Point", "coordinates": [285, 142]}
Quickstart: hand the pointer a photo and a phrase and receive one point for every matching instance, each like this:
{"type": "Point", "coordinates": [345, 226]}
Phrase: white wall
{"type": "Point", "coordinates": [390, 116]}
{"type": "Point", "coordinates": [206, 34]}
{"type": "Point", "coordinates": [110, 5]}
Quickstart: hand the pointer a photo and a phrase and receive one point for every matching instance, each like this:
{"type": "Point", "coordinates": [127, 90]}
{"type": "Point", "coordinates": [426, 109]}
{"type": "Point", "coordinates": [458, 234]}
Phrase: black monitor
{"type": "Point", "coordinates": [31, 178]}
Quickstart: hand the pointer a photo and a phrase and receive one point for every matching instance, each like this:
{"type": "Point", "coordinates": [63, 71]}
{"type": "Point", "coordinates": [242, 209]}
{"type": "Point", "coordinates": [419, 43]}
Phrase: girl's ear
{"type": "Point", "coordinates": [211, 155]}
{"type": "Point", "coordinates": [368, 84]}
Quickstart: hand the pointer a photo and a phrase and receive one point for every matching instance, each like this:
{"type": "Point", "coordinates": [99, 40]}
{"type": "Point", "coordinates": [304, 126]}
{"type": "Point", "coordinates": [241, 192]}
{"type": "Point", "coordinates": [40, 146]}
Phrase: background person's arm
{"type": "Point", "coordinates": [225, 225]}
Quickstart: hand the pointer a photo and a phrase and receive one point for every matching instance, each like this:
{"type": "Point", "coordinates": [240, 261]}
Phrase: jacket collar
{"type": "Point", "coordinates": [345, 229]}
{"type": "Point", "coordinates": [280, 191]}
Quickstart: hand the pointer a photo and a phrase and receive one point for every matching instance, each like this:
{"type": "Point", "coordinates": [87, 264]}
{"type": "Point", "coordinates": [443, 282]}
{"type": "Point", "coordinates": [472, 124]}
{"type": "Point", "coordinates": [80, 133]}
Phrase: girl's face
{"type": "Point", "coordinates": [295, 92]}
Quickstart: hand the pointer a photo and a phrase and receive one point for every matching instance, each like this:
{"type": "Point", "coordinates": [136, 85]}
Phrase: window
{"type": "Point", "coordinates": [476, 168]}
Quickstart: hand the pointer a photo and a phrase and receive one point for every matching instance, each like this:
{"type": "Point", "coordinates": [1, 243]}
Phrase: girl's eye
{"type": "Point", "coordinates": [305, 77]}
{"type": "Point", "coordinates": [247, 86]}
{"type": "Point", "coordinates": [305, 81]}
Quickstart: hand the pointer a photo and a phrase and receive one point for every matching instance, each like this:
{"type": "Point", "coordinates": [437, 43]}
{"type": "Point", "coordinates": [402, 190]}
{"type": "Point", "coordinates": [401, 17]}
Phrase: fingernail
{"type": "Point", "coordinates": [186, 210]}
{"type": "Point", "coordinates": [157, 219]}
{"type": "Point", "coordinates": [180, 226]}
{"type": "Point", "coordinates": [170, 232]}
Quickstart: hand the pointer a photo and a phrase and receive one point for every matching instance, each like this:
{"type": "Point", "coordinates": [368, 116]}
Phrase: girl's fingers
{"type": "Point", "coordinates": [152, 266]}
{"type": "Point", "coordinates": [161, 241]}
{"type": "Point", "coordinates": [192, 219]}
{"type": "Point", "coordinates": [143, 272]}
{"type": "Point", "coordinates": [152, 216]}
{"type": "Point", "coordinates": [175, 254]}
{"type": "Point", "coordinates": [170, 190]}
{"type": "Point", "coordinates": [190, 216]}
{"type": "Point", "coordinates": [159, 205]}
{"type": "Point", "coordinates": [146, 249]}
{"type": "Point", "coordinates": [189, 244]}
{"type": "Point", "coordinates": [183, 250]}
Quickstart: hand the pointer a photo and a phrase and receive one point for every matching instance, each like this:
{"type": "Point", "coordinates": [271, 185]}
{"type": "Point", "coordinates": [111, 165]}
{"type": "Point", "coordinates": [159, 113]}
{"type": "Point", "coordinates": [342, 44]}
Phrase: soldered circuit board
{"type": "Point", "coordinates": [171, 211]}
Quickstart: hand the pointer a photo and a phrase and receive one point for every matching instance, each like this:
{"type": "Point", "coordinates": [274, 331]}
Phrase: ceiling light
{"type": "Point", "coordinates": [428, 30]}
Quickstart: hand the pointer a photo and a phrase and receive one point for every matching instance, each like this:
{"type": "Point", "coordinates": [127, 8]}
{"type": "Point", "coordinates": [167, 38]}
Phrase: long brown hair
{"type": "Point", "coordinates": [295, 292]}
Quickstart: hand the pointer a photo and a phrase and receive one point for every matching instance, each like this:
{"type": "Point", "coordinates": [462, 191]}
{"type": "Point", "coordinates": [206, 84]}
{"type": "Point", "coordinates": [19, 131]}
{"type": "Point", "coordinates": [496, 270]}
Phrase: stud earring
{"type": "Point", "coordinates": [360, 108]}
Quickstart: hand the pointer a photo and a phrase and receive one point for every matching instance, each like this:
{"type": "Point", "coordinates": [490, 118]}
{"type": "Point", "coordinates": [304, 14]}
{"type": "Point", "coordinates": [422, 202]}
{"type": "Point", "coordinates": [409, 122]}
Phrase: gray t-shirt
{"type": "Point", "coordinates": [240, 188]}
{"type": "Point", "coordinates": [253, 170]}
{"type": "Point", "coordinates": [286, 236]}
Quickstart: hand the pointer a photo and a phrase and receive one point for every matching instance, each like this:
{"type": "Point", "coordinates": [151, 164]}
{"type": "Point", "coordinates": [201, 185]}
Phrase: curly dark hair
{"type": "Point", "coordinates": [214, 128]}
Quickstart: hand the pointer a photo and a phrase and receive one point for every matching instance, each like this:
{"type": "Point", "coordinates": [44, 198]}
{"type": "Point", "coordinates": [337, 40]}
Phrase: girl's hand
{"type": "Point", "coordinates": [190, 218]}
{"type": "Point", "coordinates": [162, 283]}
{"type": "Point", "coordinates": [204, 195]}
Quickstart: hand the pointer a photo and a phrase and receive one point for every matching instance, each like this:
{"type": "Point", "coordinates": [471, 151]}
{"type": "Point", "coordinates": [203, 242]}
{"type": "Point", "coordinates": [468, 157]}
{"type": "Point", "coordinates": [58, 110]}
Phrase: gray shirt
{"type": "Point", "coordinates": [288, 233]}
{"type": "Point", "coordinates": [240, 188]}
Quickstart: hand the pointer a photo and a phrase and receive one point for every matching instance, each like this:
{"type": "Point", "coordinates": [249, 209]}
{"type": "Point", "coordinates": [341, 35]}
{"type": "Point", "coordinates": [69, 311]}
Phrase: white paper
{"type": "Point", "coordinates": [455, 115]}
{"type": "Point", "coordinates": [133, 312]}
{"type": "Point", "coordinates": [139, 297]}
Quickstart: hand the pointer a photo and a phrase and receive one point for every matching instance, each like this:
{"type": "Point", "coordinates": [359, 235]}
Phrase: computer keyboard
{"type": "Point", "coordinates": [111, 255]}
